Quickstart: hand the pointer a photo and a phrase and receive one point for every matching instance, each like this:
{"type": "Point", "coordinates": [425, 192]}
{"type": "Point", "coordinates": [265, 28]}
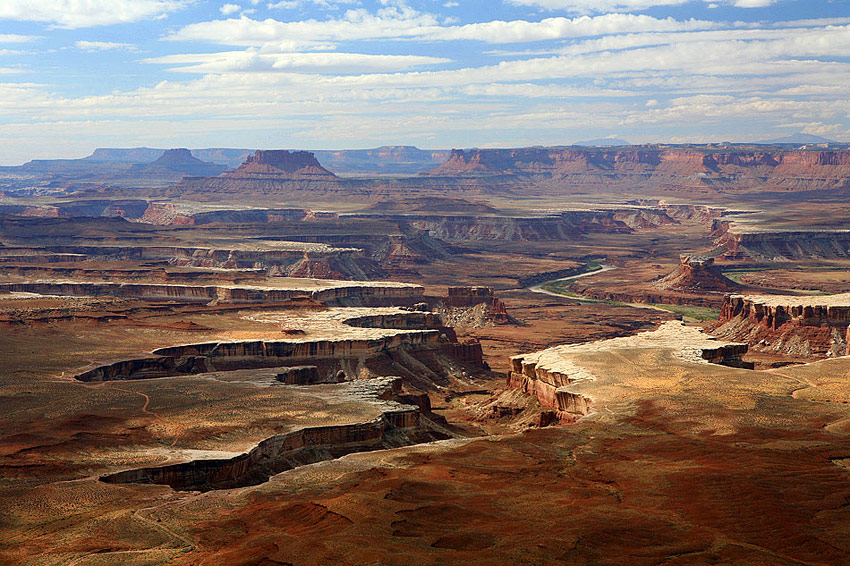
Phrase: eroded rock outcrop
{"type": "Point", "coordinates": [738, 168]}
{"type": "Point", "coordinates": [555, 376]}
{"type": "Point", "coordinates": [804, 327]}
{"type": "Point", "coordinates": [781, 245]}
{"type": "Point", "coordinates": [398, 425]}
{"type": "Point", "coordinates": [567, 225]}
{"type": "Point", "coordinates": [333, 293]}
{"type": "Point", "coordinates": [267, 171]}
{"type": "Point", "coordinates": [697, 274]}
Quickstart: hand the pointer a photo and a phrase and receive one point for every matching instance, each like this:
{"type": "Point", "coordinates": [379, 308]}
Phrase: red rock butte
{"type": "Point", "coordinates": [281, 163]}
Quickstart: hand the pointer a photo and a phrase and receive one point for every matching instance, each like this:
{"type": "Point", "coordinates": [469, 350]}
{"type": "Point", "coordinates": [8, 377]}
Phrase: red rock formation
{"type": "Point", "coordinates": [805, 327]}
{"type": "Point", "coordinates": [342, 294]}
{"type": "Point", "coordinates": [736, 168]}
{"type": "Point", "coordinates": [697, 274]}
{"type": "Point", "coordinates": [781, 245]}
{"type": "Point", "coordinates": [461, 297]}
{"type": "Point", "coordinates": [467, 352]}
{"type": "Point", "coordinates": [281, 164]}
{"type": "Point", "coordinates": [166, 214]}
{"type": "Point", "coordinates": [547, 386]}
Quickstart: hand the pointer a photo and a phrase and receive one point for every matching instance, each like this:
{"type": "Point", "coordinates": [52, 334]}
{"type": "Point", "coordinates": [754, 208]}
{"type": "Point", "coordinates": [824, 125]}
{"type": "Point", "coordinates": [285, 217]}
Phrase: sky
{"type": "Point", "coordinates": [333, 74]}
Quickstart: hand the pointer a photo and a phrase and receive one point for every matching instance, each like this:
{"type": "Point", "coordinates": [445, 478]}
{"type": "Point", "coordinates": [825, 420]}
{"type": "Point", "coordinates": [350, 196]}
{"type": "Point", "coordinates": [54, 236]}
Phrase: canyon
{"type": "Point", "coordinates": [365, 356]}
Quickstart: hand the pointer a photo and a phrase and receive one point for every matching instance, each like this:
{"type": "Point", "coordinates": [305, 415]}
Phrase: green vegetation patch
{"type": "Point", "coordinates": [559, 286]}
{"type": "Point", "coordinates": [688, 312]}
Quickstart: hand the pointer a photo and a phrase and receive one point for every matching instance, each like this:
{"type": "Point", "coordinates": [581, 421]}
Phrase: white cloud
{"type": "Point", "coordinates": [104, 46]}
{"type": "Point", "coordinates": [15, 38]}
{"type": "Point", "coordinates": [291, 4]}
{"type": "Point", "coordinates": [649, 79]}
{"type": "Point", "coordinates": [400, 24]}
{"type": "Point", "coordinates": [564, 28]}
{"type": "Point", "coordinates": [228, 9]}
{"type": "Point", "coordinates": [607, 6]}
{"type": "Point", "coordinates": [390, 22]}
{"type": "Point", "coordinates": [87, 13]}
{"type": "Point", "coordinates": [256, 61]}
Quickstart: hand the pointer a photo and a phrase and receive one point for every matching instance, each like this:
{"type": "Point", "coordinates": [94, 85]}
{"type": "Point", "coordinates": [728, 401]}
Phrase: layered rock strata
{"type": "Point", "coordinates": [555, 376]}
{"type": "Point", "coordinates": [398, 425]}
{"type": "Point", "coordinates": [328, 292]}
{"type": "Point", "coordinates": [805, 327]}
{"type": "Point", "coordinates": [566, 225]}
{"type": "Point", "coordinates": [781, 245]}
{"type": "Point", "coordinates": [267, 171]}
{"type": "Point", "coordinates": [666, 167]}
{"type": "Point", "coordinates": [229, 356]}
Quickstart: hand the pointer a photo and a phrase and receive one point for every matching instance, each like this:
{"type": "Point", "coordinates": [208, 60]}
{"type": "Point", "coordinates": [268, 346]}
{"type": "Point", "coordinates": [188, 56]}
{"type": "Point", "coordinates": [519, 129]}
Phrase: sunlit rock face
{"type": "Point", "coordinates": [806, 327]}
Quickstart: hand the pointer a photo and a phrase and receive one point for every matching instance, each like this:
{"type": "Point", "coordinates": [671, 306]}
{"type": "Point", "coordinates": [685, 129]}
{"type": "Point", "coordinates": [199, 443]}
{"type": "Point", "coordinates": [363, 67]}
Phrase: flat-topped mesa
{"type": "Point", "coordinates": [282, 163]}
{"type": "Point", "coordinates": [672, 167]}
{"type": "Point", "coordinates": [781, 245]}
{"type": "Point", "coordinates": [264, 172]}
{"type": "Point", "coordinates": [555, 375]}
{"type": "Point", "coordinates": [697, 274]}
{"type": "Point", "coordinates": [805, 327]}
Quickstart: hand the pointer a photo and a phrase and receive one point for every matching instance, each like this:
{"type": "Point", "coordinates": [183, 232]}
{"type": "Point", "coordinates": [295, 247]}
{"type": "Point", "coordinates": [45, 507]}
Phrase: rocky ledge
{"type": "Point", "coordinates": [807, 327]}
{"type": "Point", "coordinates": [554, 375]}
{"type": "Point", "coordinates": [398, 425]}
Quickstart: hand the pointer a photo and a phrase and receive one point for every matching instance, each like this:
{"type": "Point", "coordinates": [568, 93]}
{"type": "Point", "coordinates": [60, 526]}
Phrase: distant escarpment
{"type": "Point", "coordinates": [692, 168]}
{"type": "Point", "coordinates": [800, 327]}
{"type": "Point", "coordinates": [781, 245]}
{"type": "Point", "coordinates": [182, 160]}
{"type": "Point", "coordinates": [566, 225]}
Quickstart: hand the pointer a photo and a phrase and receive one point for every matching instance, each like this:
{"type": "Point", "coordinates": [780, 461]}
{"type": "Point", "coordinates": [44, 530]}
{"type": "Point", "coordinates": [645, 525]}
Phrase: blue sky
{"type": "Point", "coordinates": [80, 74]}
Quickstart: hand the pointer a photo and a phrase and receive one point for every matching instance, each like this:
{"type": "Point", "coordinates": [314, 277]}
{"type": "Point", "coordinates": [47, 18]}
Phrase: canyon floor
{"type": "Point", "coordinates": [318, 382]}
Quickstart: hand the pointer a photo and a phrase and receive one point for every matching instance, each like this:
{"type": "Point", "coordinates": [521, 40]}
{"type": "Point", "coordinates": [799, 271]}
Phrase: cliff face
{"type": "Point", "coordinates": [782, 245]}
{"type": "Point", "coordinates": [398, 425]}
{"type": "Point", "coordinates": [560, 379]}
{"type": "Point", "coordinates": [567, 225]}
{"type": "Point", "coordinates": [806, 327]}
{"type": "Point", "coordinates": [386, 160]}
{"type": "Point", "coordinates": [666, 167]}
{"type": "Point", "coordinates": [342, 294]}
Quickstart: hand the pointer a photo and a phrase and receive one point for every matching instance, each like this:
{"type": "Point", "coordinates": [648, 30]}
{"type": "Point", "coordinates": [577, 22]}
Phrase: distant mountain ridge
{"type": "Point", "coordinates": [603, 142]}
{"type": "Point", "coordinates": [800, 138]}
{"type": "Point", "coordinates": [388, 159]}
